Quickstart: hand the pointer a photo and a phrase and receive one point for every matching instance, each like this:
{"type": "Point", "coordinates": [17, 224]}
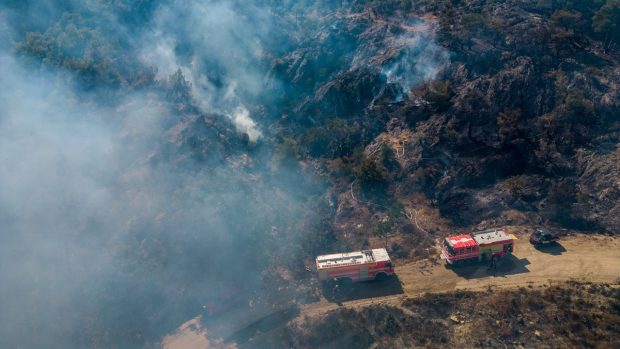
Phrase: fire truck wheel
{"type": "Point", "coordinates": [494, 260]}
{"type": "Point", "coordinates": [381, 277]}
{"type": "Point", "coordinates": [345, 281]}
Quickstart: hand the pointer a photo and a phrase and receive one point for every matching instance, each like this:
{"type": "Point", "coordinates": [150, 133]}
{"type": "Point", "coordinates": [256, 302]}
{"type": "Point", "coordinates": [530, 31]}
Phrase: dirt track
{"type": "Point", "coordinates": [579, 257]}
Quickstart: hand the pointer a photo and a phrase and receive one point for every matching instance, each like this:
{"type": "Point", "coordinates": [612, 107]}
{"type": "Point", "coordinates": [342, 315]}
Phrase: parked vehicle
{"type": "Point", "coordinates": [542, 237]}
{"type": "Point", "coordinates": [355, 266]}
{"type": "Point", "coordinates": [488, 245]}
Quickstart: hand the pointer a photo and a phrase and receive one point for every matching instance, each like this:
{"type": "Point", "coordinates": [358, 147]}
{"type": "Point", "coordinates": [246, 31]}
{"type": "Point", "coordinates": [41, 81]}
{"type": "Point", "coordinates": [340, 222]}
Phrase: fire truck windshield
{"type": "Point", "coordinates": [449, 248]}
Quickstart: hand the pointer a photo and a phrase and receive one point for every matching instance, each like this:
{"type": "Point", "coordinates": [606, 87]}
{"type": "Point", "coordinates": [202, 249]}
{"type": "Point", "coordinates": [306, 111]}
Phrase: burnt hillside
{"type": "Point", "coordinates": [166, 159]}
{"type": "Point", "coordinates": [509, 114]}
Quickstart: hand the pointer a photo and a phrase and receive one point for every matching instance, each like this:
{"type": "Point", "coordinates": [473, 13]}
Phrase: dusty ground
{"type": "Point", "coordinates": [188, 336]}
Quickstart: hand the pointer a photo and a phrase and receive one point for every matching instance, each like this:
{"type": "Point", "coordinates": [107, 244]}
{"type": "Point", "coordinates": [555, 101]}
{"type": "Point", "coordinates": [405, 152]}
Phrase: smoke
{"type": "Point", "coordinates": [419, 61]}
{"type": "Point", "coordinates": [102, 230]}
{"type": "Point", "coordinates": [245, 124]}
{"type": "Point", "coordinates": [60, 209]}
{"type": "Point", "coordinates": [217, 47]}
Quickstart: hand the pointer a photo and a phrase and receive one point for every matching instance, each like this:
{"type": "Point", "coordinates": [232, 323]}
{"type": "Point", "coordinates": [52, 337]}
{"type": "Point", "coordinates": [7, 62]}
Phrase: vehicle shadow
{"type": "Point", "coordinates": [338, 293]}
{"type": "Point", "coordinates": [508, 265]}
{"type": "Point", "coordinates": [553, 248]}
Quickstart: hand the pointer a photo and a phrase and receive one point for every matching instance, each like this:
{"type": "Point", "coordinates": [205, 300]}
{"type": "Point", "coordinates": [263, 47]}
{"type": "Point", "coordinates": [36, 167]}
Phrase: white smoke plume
{"type": "Point", "coordinates": [245, 124]}
{"type": "Point", "coordinates": [217, 35]}
{"type": "Point", "coordinates": [420, 60]}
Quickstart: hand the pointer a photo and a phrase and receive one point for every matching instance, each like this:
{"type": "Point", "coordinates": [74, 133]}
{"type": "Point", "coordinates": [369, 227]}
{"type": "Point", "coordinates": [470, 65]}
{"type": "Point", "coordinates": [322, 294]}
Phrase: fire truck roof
{"type": "Point", "coordinates": [461, 241]}
{"type": "Point", "coordinates": [491, 236]}
{"type": "Point", "coordinates": [349, 258]}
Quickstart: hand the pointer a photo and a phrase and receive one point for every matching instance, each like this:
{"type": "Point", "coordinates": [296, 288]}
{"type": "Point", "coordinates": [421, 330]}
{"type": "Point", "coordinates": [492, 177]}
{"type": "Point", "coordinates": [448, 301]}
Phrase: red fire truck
{"type": "Point", "coordinates": [357, 266]}
{"type": "Point", "coordinates": [486, 245]}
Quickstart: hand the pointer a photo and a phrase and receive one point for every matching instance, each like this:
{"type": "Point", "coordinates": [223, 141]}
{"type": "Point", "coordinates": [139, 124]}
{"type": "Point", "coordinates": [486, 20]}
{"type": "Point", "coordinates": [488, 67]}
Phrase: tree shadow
{"type": "Point", "coordinates": [338, 293]}
{"type": "Point", "coordinates": [554, 248]}
{"type": "Point", "coordinates": [508, 265]}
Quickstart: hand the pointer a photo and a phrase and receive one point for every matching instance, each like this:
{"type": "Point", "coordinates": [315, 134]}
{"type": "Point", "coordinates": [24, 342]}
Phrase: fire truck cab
{"type": "Point", "coordinates": [478, 246]}
{"type": "Point", "coordinates": [358, 266]}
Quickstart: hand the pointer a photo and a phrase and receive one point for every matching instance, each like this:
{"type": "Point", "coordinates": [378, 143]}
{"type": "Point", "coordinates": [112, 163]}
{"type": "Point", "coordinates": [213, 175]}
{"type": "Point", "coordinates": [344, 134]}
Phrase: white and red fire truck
{"type": "Point", "coordinates": [358, 266]}
{"type": "Point", "coordinates": [486, 245]}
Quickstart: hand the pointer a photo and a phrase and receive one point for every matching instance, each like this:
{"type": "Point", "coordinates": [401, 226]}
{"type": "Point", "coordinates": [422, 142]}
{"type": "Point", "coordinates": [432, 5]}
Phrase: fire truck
{"type": "Point", "coordinates": [487, 245]}
{"type": "Point", "coordinates": [358, 266]}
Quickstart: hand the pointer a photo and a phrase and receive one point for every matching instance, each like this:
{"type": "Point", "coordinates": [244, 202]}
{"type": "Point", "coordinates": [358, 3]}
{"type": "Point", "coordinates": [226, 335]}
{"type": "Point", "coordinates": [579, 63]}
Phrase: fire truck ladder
{"type": "Point", "coordinates": [369, 255]}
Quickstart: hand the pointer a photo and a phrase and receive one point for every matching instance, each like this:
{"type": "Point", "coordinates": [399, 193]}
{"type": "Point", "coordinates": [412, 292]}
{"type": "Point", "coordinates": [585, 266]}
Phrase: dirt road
{"type": "Point", "coordinates": [578, 257]}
